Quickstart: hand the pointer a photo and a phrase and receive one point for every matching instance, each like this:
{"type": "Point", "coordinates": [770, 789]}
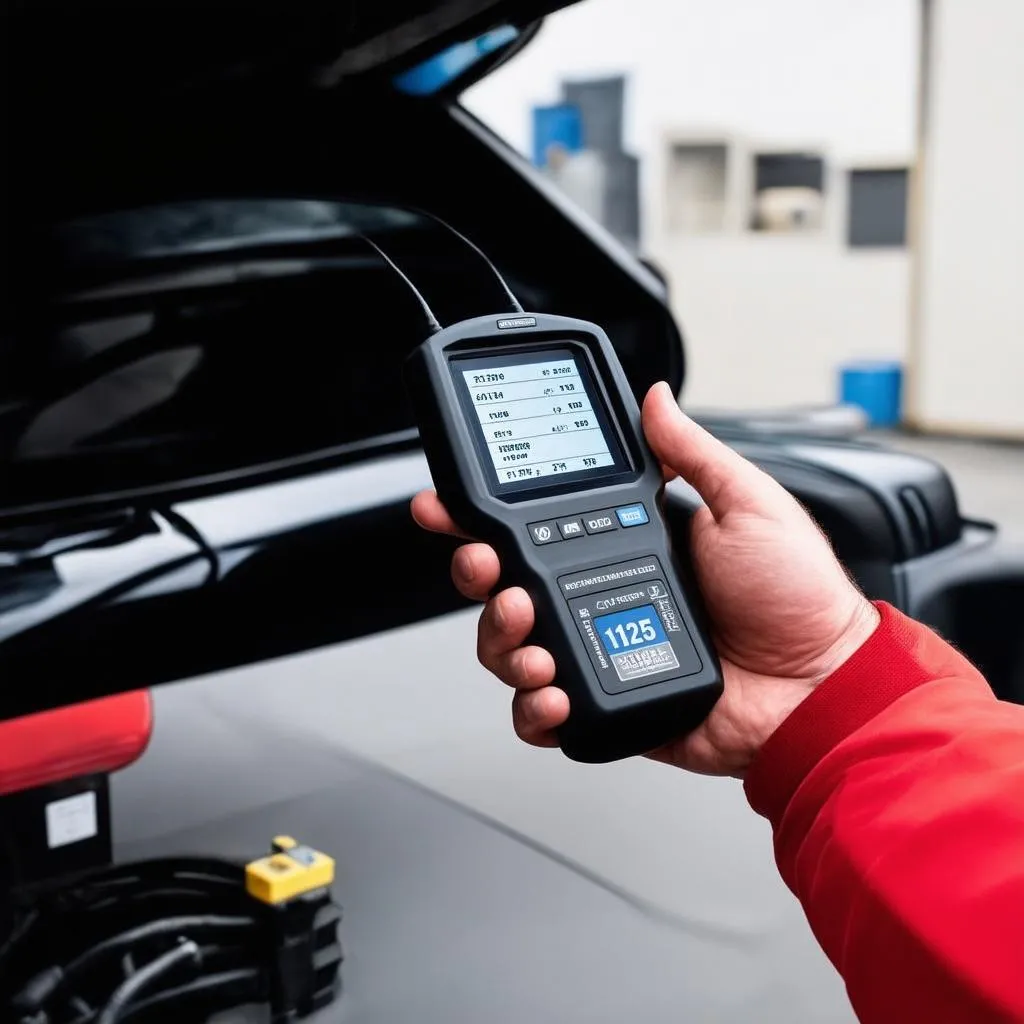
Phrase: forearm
{"type": "Point", "coordinates": [896, 793]}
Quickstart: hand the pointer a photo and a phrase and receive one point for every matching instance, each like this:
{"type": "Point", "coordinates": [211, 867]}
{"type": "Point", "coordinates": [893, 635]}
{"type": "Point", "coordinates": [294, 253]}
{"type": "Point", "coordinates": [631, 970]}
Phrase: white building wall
{"type": "Point", "coordinates": [768, 319]}
{"type": "Point", "coordinates": [969, 338]}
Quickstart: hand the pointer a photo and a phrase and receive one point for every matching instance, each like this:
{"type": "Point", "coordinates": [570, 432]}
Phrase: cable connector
{"type": "Point", "coordinates": [290, 871]}
{"type": "Point", "coordinates": [305, 956]}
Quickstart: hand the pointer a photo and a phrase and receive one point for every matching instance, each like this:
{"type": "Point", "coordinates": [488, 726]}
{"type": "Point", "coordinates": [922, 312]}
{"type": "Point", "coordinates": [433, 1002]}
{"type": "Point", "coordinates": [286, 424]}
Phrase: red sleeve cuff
{"type": "Point", "coordinates": [884, 668]}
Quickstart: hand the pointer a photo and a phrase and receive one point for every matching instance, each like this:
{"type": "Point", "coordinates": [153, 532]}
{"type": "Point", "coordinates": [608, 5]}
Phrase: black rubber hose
{"type": "Point", "coordinates": [129, 991]}
{"type": "Point", "coordinates": [161, 867]}
{"type": "Point", "coordinates": [207, 873]}
{"type": "Point", "coordinates": [41, 988]}
{"type": "Point", "coordinates": [234, 987]}
{"type": "Point", "coordinates": [163, 926]}
{"type": "Point", "coordinates": [220, 990]}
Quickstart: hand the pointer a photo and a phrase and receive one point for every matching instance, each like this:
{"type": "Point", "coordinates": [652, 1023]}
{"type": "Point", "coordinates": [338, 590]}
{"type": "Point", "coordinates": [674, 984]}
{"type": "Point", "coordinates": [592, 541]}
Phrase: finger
{"type": "Point", "coordinates": [536, 714]}
{"type": "Point", "coordinates": [431, 514]}
{"type": "Point", "coordinates": [504, 625]}
{"type": "Point", "coordinates": [722, 477]}
{"type": "Point", "coordinates": [525, 668]}
{"type": "Point", "coordinates": [475, 571]}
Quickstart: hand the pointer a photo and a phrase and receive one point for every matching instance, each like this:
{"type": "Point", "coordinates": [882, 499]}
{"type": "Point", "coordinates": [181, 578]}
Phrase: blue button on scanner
{"type": "Point", "coordinates": [632, 515]}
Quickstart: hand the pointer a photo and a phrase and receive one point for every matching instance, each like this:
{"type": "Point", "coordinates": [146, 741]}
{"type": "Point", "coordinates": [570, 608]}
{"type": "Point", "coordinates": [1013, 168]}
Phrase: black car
{"type": "Point", "coordinates": [206, 459]}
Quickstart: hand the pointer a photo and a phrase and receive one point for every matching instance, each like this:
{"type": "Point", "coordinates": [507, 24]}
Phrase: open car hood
{"type": "Point", "coordinates": [107, 47]}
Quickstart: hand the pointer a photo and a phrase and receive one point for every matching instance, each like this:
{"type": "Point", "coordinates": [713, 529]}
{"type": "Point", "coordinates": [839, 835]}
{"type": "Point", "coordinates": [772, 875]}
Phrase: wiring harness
{"type": "Point", "coordinates": [175, 939]}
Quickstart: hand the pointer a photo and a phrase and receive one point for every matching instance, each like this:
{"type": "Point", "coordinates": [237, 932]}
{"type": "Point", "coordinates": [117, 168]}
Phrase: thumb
{"type": "Point", "coordinates": [722, 477]}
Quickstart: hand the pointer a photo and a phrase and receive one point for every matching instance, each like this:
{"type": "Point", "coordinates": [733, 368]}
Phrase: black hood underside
{"type": "Point", "coordinates": [107, 48]}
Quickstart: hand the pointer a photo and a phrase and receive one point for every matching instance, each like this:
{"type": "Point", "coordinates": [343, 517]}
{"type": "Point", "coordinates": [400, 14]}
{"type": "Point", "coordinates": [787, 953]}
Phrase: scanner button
{"type": "Point", "coordinates": [599, 522]}
{"type": "Point", "coordinates": [570, 528]}
{"type": "Point", "coordinates": [544, 533]}
{"type": "Point", "coordinates": [632, 515]}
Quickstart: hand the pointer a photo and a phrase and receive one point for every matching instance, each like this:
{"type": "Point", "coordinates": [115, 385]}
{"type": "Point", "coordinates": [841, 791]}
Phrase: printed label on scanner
{"type": "Point", "coordinates": [633, 632]}
{"type": "Point", "coordinates": [635, 641]}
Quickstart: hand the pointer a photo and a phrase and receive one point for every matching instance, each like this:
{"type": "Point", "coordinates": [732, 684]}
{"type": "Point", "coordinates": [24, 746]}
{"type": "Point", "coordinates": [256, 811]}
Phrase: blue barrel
{"type": "Point", "coordinates": [560, 125]}
{"type": "Point", "coordinates": [875, 386]}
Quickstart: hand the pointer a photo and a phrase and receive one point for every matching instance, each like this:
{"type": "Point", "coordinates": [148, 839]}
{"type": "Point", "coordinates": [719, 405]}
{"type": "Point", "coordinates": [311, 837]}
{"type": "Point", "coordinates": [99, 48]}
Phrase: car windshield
{"type": "Point", "coordinates": [211, 226]}
{"type": "Point", "coordinates": [219, 332]}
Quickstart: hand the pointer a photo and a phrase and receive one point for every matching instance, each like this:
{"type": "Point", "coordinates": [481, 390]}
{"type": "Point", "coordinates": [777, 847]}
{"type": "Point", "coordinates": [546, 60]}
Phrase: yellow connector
{"type": "Point", "coordinates": [292, 870]}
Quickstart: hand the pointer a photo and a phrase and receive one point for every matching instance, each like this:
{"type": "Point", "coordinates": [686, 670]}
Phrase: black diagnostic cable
{"type": "Point", "coordinates": [187, 952]}
{"type": "Point", "coordinates": [103, 947]}
{"type": "Point", "coordinates": [213, 992]}
{"type": "Point", "coordinates": [48, 983]}
{"type": "Point", "coordinates": [19, 929]}
{"type": "Point", "coordinates": [230, 988]}
{"type": "Point", "coordinates": [432, 322]}
{"type": "Point", "coordinates": [119, 894]}
{"type": "Point", "coordinates": [516, 305]}
{"type": "Point", "coordinates": [156, 929]}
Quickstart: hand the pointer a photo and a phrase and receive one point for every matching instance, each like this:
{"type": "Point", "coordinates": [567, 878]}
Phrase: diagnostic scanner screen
{"type": "Point", "coordinates": [538, 418]}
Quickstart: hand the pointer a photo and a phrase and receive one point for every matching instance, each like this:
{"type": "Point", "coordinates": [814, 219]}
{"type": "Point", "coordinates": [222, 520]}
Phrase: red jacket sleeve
{"type": "Point", "coordinates": [896, 795]}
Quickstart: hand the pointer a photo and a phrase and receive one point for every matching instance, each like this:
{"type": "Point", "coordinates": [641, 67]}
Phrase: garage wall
{"type": "Point", "coordinates": [968, 342]}
{"type": "Point", "coordinates": [768, 320]}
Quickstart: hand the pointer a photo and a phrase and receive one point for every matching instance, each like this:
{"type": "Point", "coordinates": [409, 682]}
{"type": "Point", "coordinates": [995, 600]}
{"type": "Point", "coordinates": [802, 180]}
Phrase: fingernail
{"type": "Point", "coordinates": [524, 665]}
{"type": "Point", "coordinates": [671, 396]}
{"type": "Point", "coordinates": [466, 568]}
{"type": "Point", "coordinates": [498, 613]}
{"type": "Point", "coordinates": [529, 709]}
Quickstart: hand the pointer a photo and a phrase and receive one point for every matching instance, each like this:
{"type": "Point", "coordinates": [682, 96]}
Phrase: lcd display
{"type": "Point", "coordinates": [539, 419]}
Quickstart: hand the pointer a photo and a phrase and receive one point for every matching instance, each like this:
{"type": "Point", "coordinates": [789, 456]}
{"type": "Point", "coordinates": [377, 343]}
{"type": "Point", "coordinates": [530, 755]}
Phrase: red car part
{"type": "Point", "coordinates": [99, 736]}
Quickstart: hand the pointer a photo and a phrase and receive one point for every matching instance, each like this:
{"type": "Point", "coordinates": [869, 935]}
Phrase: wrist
{"type": "Point", "coordinates": [780, 700]}
{"type": "Point", "coordinates": [899, 656]}
{"type": "Point", "coordinates": [860, 624]}
{"type": "Point", "coordinates": [755, 705]}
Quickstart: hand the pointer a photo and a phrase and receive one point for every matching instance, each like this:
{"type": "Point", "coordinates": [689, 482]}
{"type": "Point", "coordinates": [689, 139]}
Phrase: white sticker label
{"type": "Point", "coordinates": [71, 820]}
{"type": "Point", "coordinates": [645, 661]}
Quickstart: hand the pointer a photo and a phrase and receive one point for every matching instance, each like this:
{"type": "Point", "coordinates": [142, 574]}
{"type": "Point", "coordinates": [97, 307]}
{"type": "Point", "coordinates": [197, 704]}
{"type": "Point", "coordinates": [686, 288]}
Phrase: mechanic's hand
{"type": "Point", "coordinates": [784, 614]}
